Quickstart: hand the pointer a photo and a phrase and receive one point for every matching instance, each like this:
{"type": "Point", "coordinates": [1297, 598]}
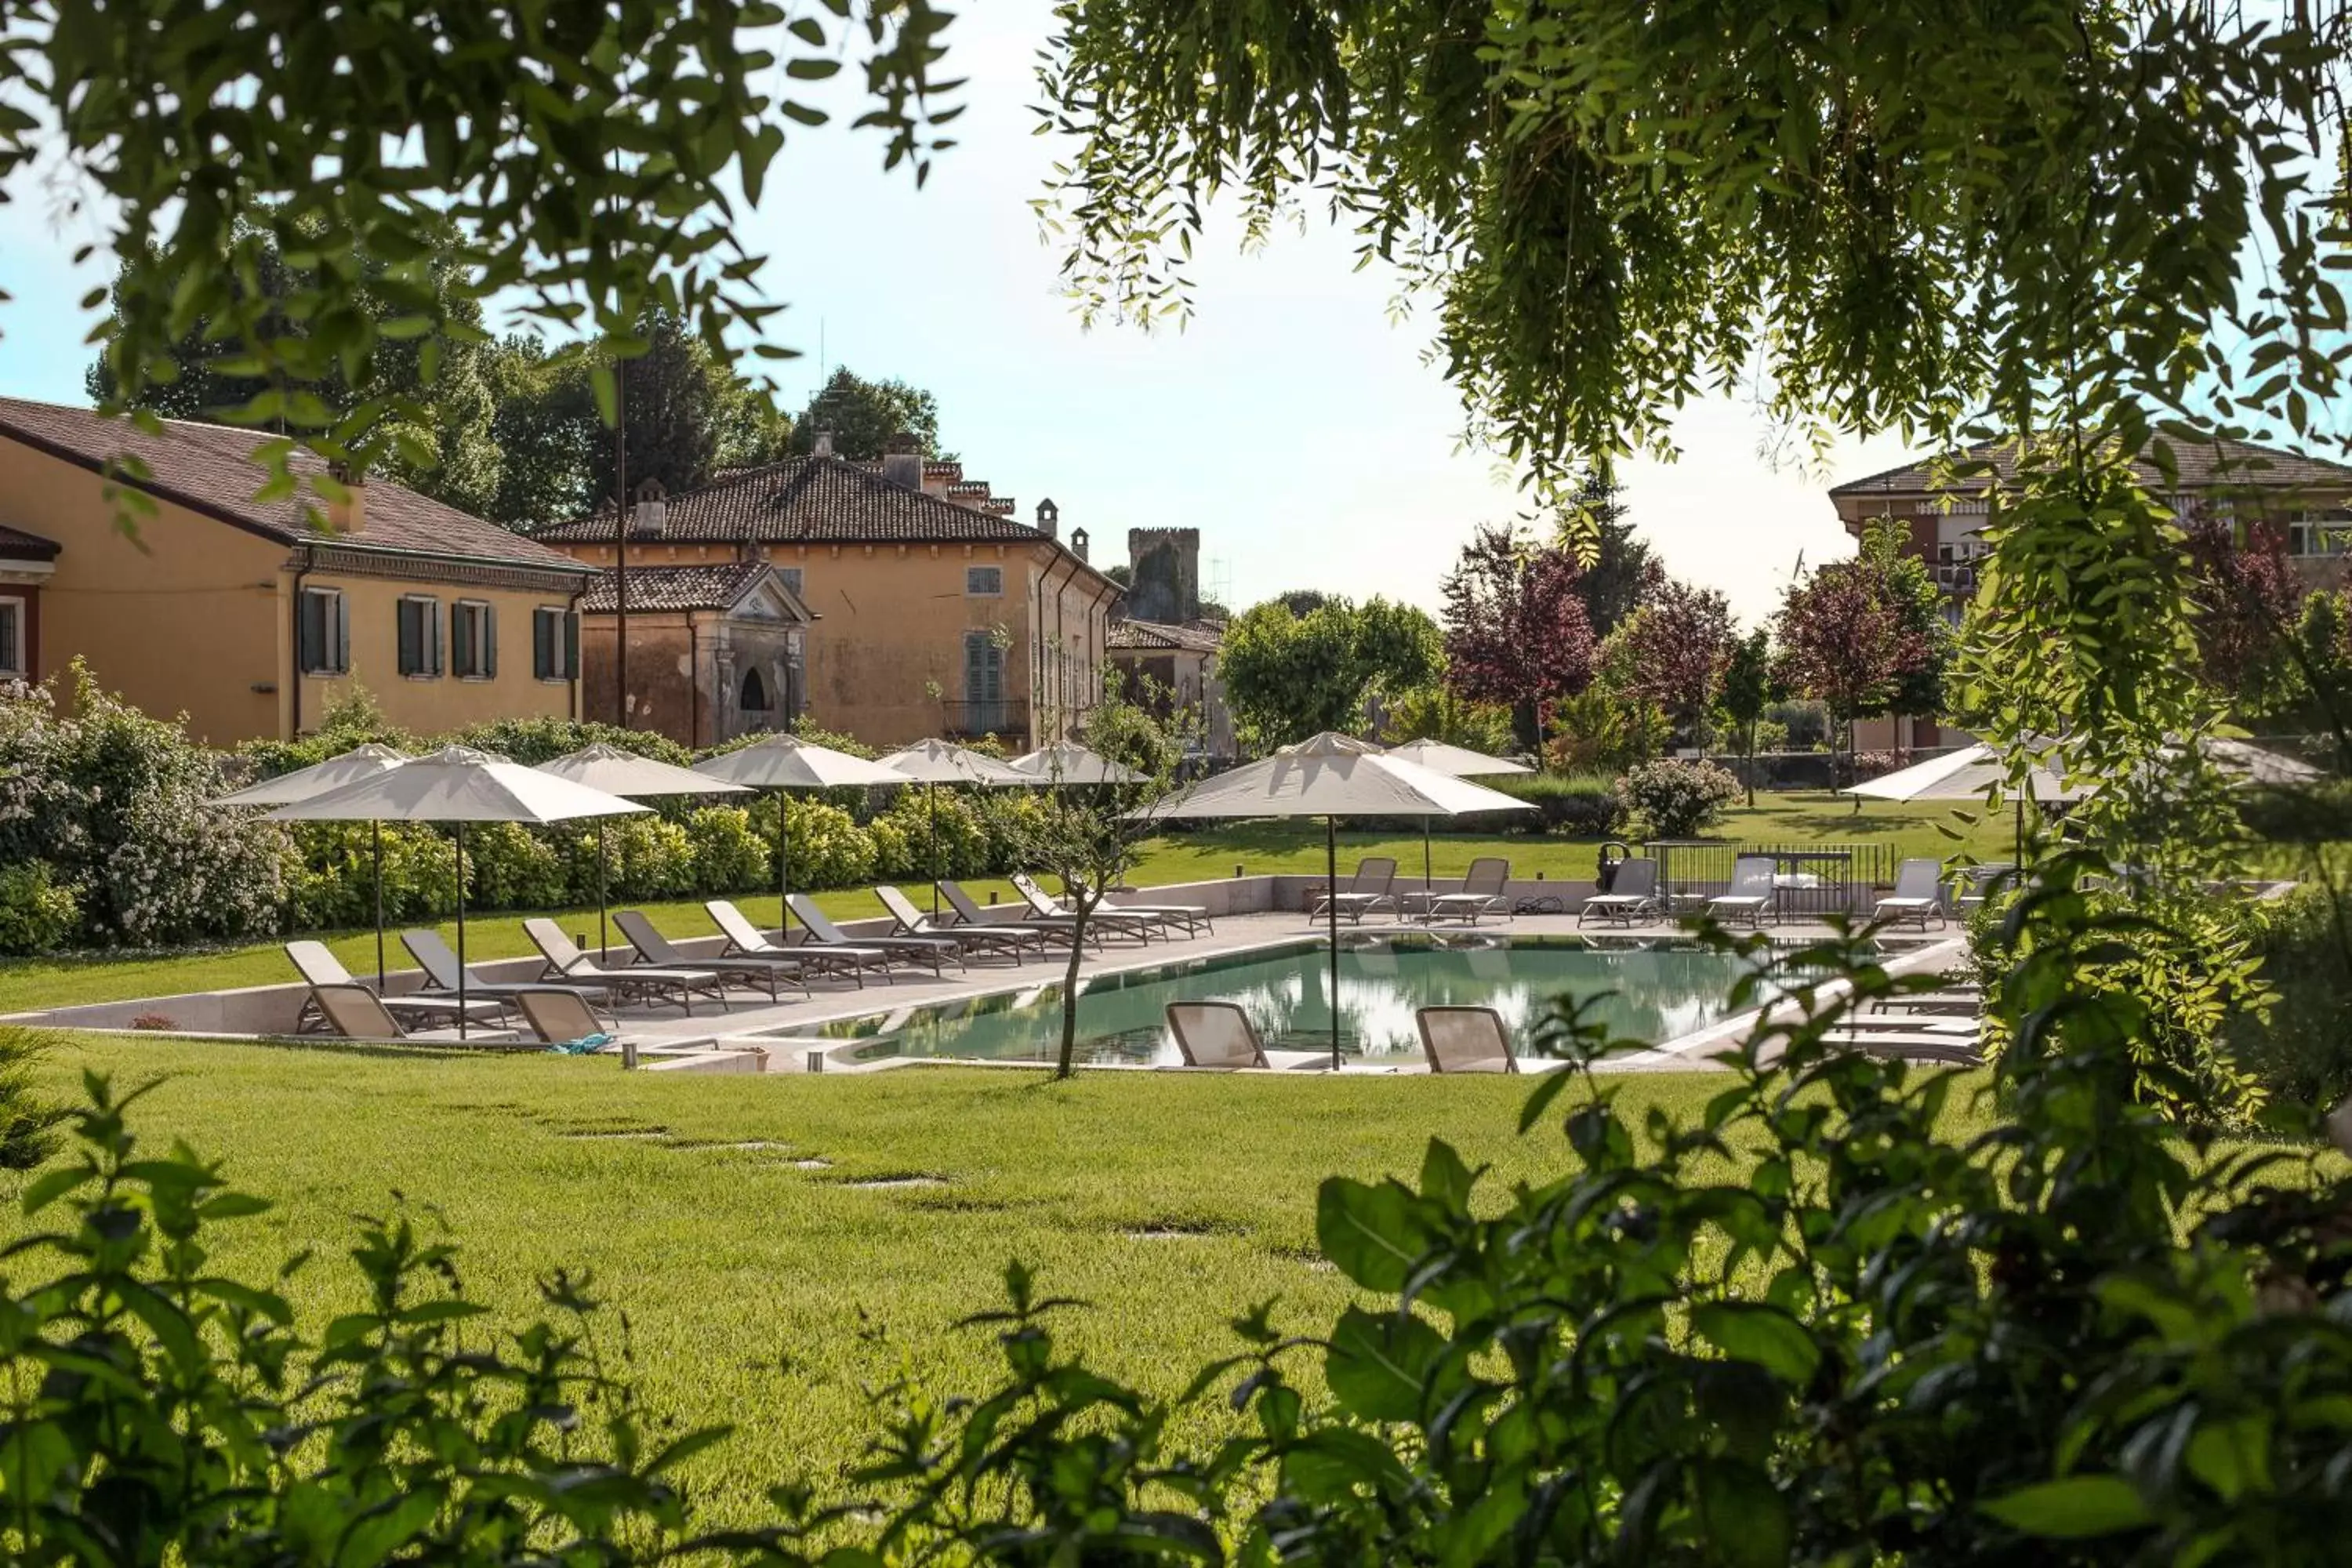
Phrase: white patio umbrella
{"type": "Point", "coordinates": [632, 777]}
{"type": "Point", "coordinates": [1967, 774]}
{"type": "Point", "coordinates": [1067, 761]}
{"type": "Point", "coordinates": [1332, 776]}
{"type": "Point", "coordinates": [1457, 762]}
{"type": "Point", "coordinates": [934, 762]}
{"type": "Point", "coordinates": [781, 762]}
{"type": "Point", "coordinates": [457, 785]}
{"type": "Point", "coordinates": [303, 783]}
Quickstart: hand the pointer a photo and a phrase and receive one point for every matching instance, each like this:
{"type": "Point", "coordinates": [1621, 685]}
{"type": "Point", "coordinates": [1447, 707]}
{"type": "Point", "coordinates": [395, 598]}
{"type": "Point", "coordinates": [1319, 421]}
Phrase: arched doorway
{"type": "Point", "coordinates": [754, 698]}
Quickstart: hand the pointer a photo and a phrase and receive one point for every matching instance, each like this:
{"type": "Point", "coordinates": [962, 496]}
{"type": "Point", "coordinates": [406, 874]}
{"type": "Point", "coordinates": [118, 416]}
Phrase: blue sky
{"type": "Point", "coordinates": [1293, 421]}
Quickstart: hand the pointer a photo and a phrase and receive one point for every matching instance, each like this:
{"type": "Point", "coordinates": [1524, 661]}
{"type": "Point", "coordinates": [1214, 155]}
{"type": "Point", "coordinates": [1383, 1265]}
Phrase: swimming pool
{"type": "Point", "coordinates": [1658, 992]}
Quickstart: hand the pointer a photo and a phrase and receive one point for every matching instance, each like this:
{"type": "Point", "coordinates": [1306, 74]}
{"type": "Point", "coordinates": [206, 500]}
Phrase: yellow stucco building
{"type": "Point", "coordinates": [929, 609]}
{"type": "Point", "coordinates": [252, 617]}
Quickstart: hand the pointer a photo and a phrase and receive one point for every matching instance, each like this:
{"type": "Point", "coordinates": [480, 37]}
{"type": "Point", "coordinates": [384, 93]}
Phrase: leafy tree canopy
{"type": "Point", "coordinates": [1517, 627]}
{"type": "Point", "coordinates": [862, 416]}
{"type": "Point", "coordinates": [1289, 677]}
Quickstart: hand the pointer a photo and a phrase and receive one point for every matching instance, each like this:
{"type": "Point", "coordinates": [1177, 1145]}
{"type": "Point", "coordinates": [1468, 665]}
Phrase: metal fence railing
{"type": "Point", "coordinates": [1814, 878]}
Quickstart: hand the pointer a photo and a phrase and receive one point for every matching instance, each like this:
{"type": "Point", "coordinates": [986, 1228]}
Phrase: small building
{"type": "Point", "coordinates": [1161, 644]}
{"type": "Point", "coordinates": [2307, 501]}
{"type": "Point", "coordinates": [186, 594]}
{"type": "Point", "coordinates": [714, 651]}
{"type": "Point", "coordinates": [933, 610]}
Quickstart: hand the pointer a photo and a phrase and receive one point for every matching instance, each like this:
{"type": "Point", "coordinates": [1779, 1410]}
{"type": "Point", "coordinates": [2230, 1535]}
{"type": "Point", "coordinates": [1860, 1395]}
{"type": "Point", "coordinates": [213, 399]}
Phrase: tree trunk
{"type": "Point", "coordinates": [1083, 907]}
{"type": "Point", "coordinates": [1526, 727]}
{"type": "Point", "coordinates": [1751, 764]}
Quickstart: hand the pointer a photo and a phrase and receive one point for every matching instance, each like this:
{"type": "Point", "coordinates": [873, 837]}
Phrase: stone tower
{"type": "Point", "coordinates": [1167, 566]}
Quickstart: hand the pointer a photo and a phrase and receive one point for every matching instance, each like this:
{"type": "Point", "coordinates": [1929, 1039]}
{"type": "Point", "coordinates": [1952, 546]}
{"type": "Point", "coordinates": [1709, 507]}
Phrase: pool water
{"type": "Point", "coordinates": [1655, 992]}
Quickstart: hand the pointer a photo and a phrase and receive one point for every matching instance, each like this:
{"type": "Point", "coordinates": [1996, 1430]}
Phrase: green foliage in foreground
{"type": "Point", "coordinates": [1806, 1324]}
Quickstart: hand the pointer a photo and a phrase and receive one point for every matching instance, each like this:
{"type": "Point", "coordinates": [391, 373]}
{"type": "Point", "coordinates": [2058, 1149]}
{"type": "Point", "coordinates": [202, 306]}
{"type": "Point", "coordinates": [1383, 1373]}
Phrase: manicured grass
{"type": "Point", "coordinates": [1256, 847]}
{"type": "Point", "coordinates": [750, 1284]}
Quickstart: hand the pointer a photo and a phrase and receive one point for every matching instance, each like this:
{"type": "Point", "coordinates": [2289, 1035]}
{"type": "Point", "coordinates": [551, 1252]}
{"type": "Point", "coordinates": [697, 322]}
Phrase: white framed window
{"type": "Point", "coordinates": [322, 632]}
{"type": "Point", "coordinates": [473, 640]}
{"type": "Point", "coordinates": [2319, 532]}
{"type": "Point", "coordinates": [418, 633]}
{"type": "Point", "coordinates": [15, 659]}
{"type": "Point", "coordinates": [554, 644]}
{"type": "Point", "coordinates": [983, 582]}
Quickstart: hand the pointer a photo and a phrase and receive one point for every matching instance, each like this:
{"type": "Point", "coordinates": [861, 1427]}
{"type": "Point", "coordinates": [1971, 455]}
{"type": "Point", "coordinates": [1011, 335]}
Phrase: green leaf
{"type": "Point", "coordinates": [1752, 1332]}
{"type": "Point", "coordinates": [2073, 1509]}
{"type": "Point", "coordinates": [1383, 1366]}
{"type": "Point", "coordinates": [1745, 1519]}
{"type": "Point", "coordinates": [1370, 1233]}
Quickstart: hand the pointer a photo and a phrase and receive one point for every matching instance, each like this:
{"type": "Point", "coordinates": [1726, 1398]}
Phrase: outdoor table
{"type": "Point", "coordinates": [1830, 890]}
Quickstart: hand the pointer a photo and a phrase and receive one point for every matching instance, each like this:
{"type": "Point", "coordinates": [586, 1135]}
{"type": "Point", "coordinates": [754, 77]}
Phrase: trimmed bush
{"type": "Point", "coordinates": [1672, 799]}
{"type": "Point", "coordinates": [330, 874]}
{"type": "Point", "coordinates": [37, 915]}
{"type": "Point", "coordinates": [1580, 806]}
{"type": "Point", "coordinates": [514, 869]}
{"type": "Point", "coordinates": [729, 857]}
{"type": "Point", "coordinates": [828, 850]}
{"type": "Point", "coordinates": [531, 742]}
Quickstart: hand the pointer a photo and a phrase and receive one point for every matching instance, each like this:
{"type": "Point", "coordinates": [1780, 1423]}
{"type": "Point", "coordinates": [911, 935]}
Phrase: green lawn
{"type": "Point", "coordinates": [749, 1280]}
{"type": "Point", "coordinates": [1256, 847]}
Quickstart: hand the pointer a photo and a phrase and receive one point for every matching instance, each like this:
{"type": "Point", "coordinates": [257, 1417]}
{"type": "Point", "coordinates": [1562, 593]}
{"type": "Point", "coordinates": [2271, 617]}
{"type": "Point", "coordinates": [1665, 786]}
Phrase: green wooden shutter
{"type": "Point", "coordinates": [311, 626]}
{"type": "Point", "coordinates": [461, 641]}
{"type": "Point", "coordinates": [433, 637]}
{"type": "Point", "coordinates": [342, 634]}
{"type": "Point", "coordinates": [409, 635]}
{"type": "Point", "coordinates": [490, 640]}
{"type": "Point", "coordinates": [541, 637]}
{"type": "Point", "coordinates": [570, 646]}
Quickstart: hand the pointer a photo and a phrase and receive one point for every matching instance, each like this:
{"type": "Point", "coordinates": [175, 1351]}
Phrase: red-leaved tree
{"type": "Point", "coordinates": [1516, 629]}
{"type": "Point", "coordinates": [1844, 640]}
{"type": "Point", "coordinates": [2250, 606]}
{"type": "Point", "coordinates": [1678, 639]}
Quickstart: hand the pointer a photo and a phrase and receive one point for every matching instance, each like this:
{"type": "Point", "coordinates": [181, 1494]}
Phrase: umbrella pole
{"type": "Point", "coordinates": [378, 828]}
{"type": "Point", "coordinates": [1428, 887]}
{"type": "Point", "coordinates": [1331, 915]}
{"type": "Point", "coordinates": [784, 873]}
{"type": "Point", "coordinates": [461, 929]}
{"type": "Point", "coordinates": [932, 797]}
{"type": "Point", "coordinates": [604, 939]}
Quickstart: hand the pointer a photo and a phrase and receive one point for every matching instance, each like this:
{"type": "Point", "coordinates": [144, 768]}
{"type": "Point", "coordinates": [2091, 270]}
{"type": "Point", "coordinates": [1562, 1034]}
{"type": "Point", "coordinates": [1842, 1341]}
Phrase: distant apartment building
{"type": "Point", "coordinates": [897, 600]}
{"type": "Point", "coordinates": [187, 594]}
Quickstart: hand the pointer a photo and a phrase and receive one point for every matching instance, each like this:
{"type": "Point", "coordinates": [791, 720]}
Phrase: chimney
{"type": "Point", "coordinates": [348, 515]}
{"type": "Point", "coordinates": [824, 447]}
{"type": "Point", "coordinates": [902, 464]}
{"type": "Point", "coordinates": [1049, 519]}
{"type": "Point", "coordinates": [652, 514]}
{"type": "Point", "coordinates": [1078, 543]}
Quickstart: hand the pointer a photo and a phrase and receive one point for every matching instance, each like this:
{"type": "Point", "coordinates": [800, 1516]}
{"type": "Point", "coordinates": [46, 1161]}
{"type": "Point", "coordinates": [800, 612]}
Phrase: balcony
{"type": "Point", "coordinates": [1004, 718]}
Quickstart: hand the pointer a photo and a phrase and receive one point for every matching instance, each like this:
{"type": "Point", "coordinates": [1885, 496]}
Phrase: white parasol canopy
{"type": "Point", "coordinates": [304, 783]}
{"type": "Point", "coordinates": [783, 762]}
{"type": "Point", "coordinates": [943, 762]}
{"type": "Point", "coordinates": [1067, 761]}
{"type": "Point", "coordinates": [625, 773]}
{"type": "Point", "coordinates": [1331, 776]}
{"type": "Point", "coordinates": [457, 785]}
{"type": "Point", "coordinates": [1459, 761]}
{"type": "Point", "coordinates": [1964, 774]}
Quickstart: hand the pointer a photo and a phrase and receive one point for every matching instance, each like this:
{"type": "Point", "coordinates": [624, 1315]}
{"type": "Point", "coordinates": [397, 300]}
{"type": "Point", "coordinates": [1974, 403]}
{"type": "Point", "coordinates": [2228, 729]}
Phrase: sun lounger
{"type": "Point", "coordinates": [653, 947]}
{"type": "Point", "coordinates": [1919, 894]}
{"type": "Point", "coordinates": [1465, 1039]}
{"type": "Point", "coordinates": [566, 961]}
{"type": "Point", "coordinates": [1216, 1035]}
{"type": "Point", "coordinates": [1106, 919]}
{"type": "Point", "coordinates": [968, 912]}
{"type": "Point", "coordinates": [318, 965]}
{"type": "Point", "coordinates": [1194, 918]}
{"type": "Point", "coordinates": [567, 1024]}
{"type": "Point", "coordinates": [440, 966]}
{"type": "Point", "coordinates": [745, 939]}
{"type": "Point", "coordinates": [1956, 1052]}
{"type": "Point", "coordinates": [1370, 889]}
{"type": "Point", "coordinates": [1482, 893]}
{"type": "Point", "coordinates": [912, 922]}
{"type": "Point", "coordinates": [1967, 1002]}
{"type": "Point", "coordinates": [1632, 896]}
{"type": "Point", "coordinates": [355, 1013]}
{"type": "Point", "coordinates": [1750, 893]}
{"type": "Point", "coordinates": [934, 951]}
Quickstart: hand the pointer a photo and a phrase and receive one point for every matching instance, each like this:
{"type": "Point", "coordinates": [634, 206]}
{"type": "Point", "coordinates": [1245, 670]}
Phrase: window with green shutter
{"type": "Point", "coordinates": [419, 636]}
{"type": "Point", "coordinates": [554, 644]}
{"type": "Point", "coordinates": [323, 634]}
{"type": "Point", "coordinates": [473, 640]}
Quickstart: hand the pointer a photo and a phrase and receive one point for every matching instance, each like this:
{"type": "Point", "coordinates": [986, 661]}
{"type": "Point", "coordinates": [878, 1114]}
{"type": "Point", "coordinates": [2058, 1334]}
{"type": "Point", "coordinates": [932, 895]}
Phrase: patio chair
{"type": "Point", "coordinates": [968, 912]}
{"type": "Point", "coordinates": [656, 949]}
{"type": "Point", "coordinates": [355, 1013]}
{"type": "Point", "coordinates": [1216, 1035]}
{"type": "Point", "coordinates": [1919, 894]}
{"type": "Point", "coordinates": [1369, 889]}
{"type": "Point", "coordinates": [1465, 1039]}
{"type": "Point", "coordinates": [568, 1025]}
{"type": "Point", "coordinates": [1106, 920]}
{"type": "Point", "coordinates": [745, 939]}
{"type": "Point", "coordinates": [1750, 893]}
{"type": "Point", "coordinates": [1938, 1049]}
{"type": "Point", "coordinates": [1194, 918]}
{"type": "Point", "coordinates": [1632, 896]}
{"type": "Point", "coordinates": [441, 970]}
{"type": "Point", "coordinates": [912, 922]}
{"type": "Point", "coordinates": [319, 966]}
{"type": "Point", "coordinates": [934, 951]}
{"type": "Point", "coordinates": [1482, 893]}
{"type": "Point", "coordinates": [566, 961]}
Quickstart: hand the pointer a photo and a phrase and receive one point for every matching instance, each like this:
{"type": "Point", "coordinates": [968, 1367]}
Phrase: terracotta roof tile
{"type": "Point", "coordinates": [1157, 636]}
{"type": "Point", "coordinates": [2202, 464]}
{"type": "Point", "coordinates": [674, 587]}
{"type": "Point", "coordinates": [209, 469]}
{"type": "Point", "coordinates": [16, 544]}
{"type": "Point", "coordinates": [809, 501]}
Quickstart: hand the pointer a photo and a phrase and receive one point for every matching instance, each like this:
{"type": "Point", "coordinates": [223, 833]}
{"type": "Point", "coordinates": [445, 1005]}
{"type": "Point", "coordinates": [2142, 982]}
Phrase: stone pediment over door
{"type": "Point", "coordinates": [768, 599]}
